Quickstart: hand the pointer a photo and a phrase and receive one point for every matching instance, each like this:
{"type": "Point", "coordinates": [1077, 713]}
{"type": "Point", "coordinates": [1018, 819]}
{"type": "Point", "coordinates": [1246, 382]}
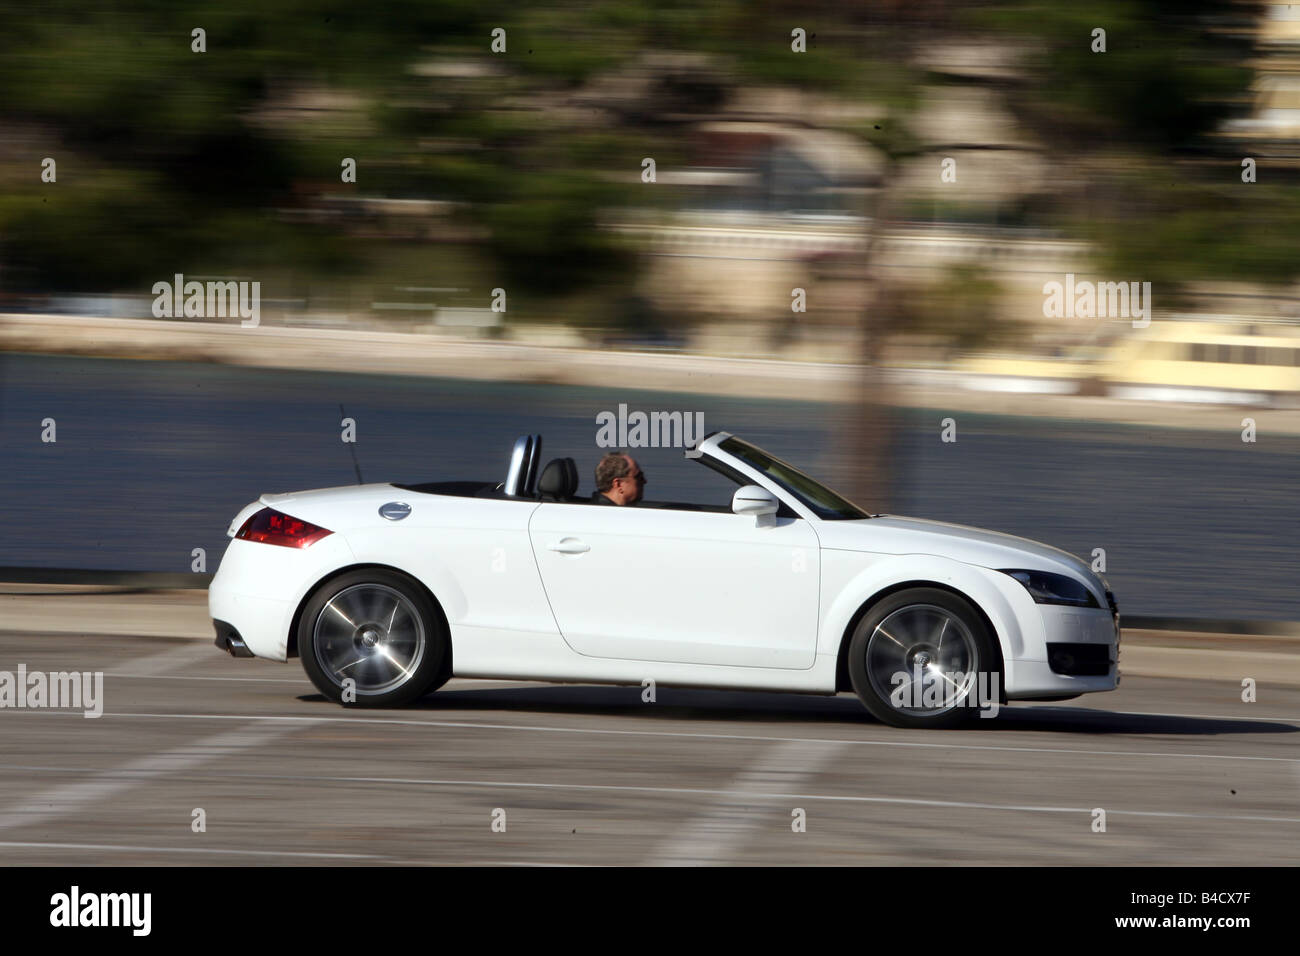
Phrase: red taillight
{"type": "Point", "coordinates": [271, 527]}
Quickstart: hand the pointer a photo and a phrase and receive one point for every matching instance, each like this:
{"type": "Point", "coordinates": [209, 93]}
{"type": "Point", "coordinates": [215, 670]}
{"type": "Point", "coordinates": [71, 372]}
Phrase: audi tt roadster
{"type": "Point", "coordinates": [386, 591]}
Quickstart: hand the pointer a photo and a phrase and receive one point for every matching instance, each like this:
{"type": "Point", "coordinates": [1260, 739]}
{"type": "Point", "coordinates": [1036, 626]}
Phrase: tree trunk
{"type": "Point", "coordinates": [869, 435]}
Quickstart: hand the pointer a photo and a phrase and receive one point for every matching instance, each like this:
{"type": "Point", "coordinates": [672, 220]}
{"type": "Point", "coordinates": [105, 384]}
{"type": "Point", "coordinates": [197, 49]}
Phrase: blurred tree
{"type": "Point", "coordinates": [171, 160]}
{"type": "Point", "coordinates": [1152, 182]}
{"type": "Point", "coordinates": [207, 162]}
{"type": "Point", "coordinates": [163, 166]}
{"type": "Point", "coordinates": [959, 310]}
{"type": "Point", "coordinates": [1120, 127]}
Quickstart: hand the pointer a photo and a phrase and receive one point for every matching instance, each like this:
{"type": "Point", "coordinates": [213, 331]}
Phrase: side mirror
{"type": "Point", "coordinates": [754, 500]}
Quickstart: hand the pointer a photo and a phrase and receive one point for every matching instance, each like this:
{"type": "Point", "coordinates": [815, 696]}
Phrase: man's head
{"type": "Point", "coordinates": [619, 478]}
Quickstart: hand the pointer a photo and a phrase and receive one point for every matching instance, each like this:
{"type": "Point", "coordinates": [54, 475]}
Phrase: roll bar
{"type": "Point", "coordinates": [525, 459]}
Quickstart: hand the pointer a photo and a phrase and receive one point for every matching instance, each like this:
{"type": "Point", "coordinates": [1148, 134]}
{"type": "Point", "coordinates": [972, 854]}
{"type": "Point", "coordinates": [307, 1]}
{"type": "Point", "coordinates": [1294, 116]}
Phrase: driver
{"type": "Point", "coordinates": [619, 480]}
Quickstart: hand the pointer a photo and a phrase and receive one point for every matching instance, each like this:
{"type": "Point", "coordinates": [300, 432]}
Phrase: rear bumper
{"type": "Point", "coordinates": [261, 623]}
{"type": "Point", "coordinates": [258, 587]}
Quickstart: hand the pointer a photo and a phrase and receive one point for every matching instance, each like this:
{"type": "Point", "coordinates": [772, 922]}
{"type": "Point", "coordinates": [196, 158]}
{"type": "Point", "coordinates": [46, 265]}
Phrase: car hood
{"type": "Point", "coordinates": [891, 534]}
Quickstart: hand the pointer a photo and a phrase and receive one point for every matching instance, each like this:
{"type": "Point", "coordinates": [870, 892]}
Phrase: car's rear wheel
{"type": "Point", "coordinates": [372, 638]}
{"type": "Point", "coordinates": [923, 658]}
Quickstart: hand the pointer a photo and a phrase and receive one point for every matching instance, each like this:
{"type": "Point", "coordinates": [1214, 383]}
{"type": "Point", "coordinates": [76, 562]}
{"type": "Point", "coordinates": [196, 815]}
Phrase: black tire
{"type": "Point", "coordinates": [937, 635]}
{"type": "Point", "coordinates": [383, 624]}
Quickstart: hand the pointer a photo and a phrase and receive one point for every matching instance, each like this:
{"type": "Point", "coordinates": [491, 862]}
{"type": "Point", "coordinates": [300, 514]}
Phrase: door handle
{"type": "Point", "coordinates": [568, 546]}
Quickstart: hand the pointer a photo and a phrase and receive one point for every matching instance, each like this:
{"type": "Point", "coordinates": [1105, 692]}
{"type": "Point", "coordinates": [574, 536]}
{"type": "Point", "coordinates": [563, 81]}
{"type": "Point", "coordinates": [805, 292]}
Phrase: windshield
{"type": "Point", "coordinates": [823, 502]}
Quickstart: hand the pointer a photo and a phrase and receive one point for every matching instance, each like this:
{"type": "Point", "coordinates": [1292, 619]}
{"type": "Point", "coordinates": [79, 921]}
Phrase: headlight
{"type": "Point", "coordinates": [1047, 588]}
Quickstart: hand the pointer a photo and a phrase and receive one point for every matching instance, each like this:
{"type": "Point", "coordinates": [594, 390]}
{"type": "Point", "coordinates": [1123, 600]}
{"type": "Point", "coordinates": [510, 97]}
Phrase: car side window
{"type": "Point", "coordinates": [716, 484]}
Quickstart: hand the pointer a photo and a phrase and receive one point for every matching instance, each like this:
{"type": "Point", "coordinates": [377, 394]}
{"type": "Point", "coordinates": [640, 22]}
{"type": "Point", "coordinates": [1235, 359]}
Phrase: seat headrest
{"type": "Point", "coordinates": [559, 479]}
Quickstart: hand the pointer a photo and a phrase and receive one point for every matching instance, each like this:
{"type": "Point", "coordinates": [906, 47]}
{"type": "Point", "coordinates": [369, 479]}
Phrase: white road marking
{"type": "Point", "coordinates": [527, 863]}
{"type": "Point", "coordinates": [69, 798]}
{"type": "Point", "coordinates": [475, 725]}
{"type": "Point", "coordinates": [1150, 713]}
{"type": "Point", "coordinates": [183, 849]}
{"type": "Point", "coordinates": [246, 680]}
{"type": "Point", "coordinates": [154, 666]}
{"type": "Point", "coordinates": [740, 795]}
{"type": "Point", "coordinates": [192, 652]}
{"type": "Point", "coordinates": [714, 836]}
{"type": "Point", "coordinates": [469, 684]}
{"type": "Point", "coordinates": [458, 684]}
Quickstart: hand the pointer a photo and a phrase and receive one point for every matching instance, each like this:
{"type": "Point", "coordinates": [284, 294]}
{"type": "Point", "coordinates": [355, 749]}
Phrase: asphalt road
{"type": "Point", "coordinates": [1186, 773]}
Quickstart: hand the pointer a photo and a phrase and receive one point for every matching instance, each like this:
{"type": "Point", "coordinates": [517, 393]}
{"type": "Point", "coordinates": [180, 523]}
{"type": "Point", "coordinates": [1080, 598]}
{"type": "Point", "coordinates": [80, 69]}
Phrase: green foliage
{"type": "Point", "coordinates": [1145, 177]}
{"type": "Point", "coordinates": [889, 134]}
{"type": "Point", "coordinates": [182, 177]}
{"type": "Point", "coordinates": [1169, 76]}
{"type": "Point", "coordinates": [1175, 224]}
{"type": "Point", "coordinates": [543, 231]}
{"type": "Point", "coordinates": [171, 160]}
{"type": "Point", "coordinates": [963, 308]}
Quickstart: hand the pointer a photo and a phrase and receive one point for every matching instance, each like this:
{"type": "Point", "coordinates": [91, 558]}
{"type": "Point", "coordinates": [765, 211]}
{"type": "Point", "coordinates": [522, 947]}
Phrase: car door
{"type": "Point", "coordinates": [692, 587]}
{"type": "Point", "coordinates": [473, 553]}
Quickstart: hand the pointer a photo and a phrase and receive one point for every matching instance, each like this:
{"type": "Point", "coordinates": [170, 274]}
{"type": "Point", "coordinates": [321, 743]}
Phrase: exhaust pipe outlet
{"type": "Point", "coordinates": [228, 640]}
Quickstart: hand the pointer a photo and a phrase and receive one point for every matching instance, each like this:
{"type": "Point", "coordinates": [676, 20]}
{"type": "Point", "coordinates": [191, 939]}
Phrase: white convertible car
{"type": "Point", "coordinates": [386, 591]}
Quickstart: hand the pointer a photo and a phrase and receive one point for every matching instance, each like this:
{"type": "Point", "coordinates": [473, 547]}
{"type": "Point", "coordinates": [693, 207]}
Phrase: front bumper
{"type": "Point", "coordinates": [1079, 655]}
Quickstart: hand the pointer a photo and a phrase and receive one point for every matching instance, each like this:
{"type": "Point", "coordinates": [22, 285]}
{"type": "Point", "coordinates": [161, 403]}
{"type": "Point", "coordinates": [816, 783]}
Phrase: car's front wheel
{"type": "Point", "coordinates": [372, 638]}
{"type": "Point", "coordinates": [924, 658]}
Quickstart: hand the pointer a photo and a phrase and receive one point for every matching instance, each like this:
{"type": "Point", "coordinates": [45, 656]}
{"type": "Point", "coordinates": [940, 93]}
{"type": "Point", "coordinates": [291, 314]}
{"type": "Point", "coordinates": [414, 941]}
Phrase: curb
{"type": "Point", "coordinates": [1209, 625]}
{"type": "Point", "coordinates": [149, 580]}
